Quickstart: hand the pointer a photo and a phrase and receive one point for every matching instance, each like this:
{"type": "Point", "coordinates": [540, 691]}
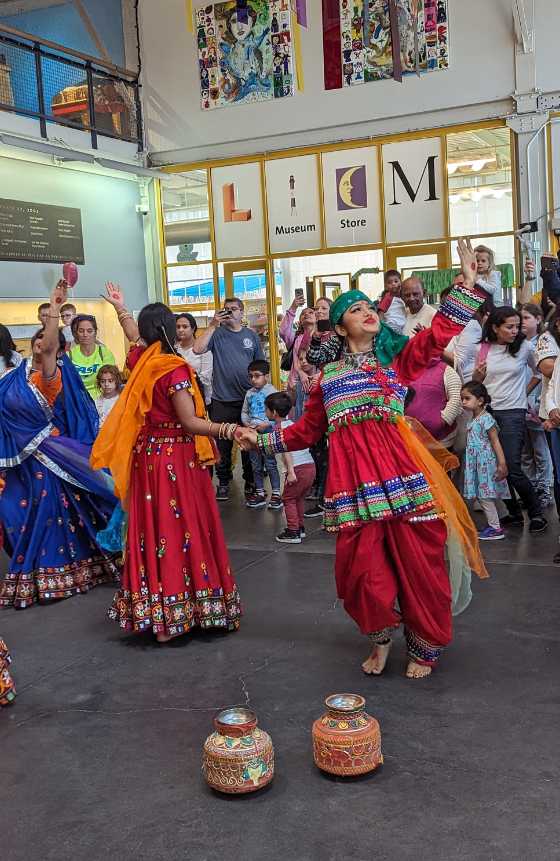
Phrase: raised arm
{"type": "Point", "coordinates": [115, 297]}
{"type": "Point", "coordinates": [302, 434]}
{"type": "Point", "coordinates": [202, 343]}
{"type": "Point", "coordinates": [452, 317]}
{"type": "Point", "coordinates": [50, 343]}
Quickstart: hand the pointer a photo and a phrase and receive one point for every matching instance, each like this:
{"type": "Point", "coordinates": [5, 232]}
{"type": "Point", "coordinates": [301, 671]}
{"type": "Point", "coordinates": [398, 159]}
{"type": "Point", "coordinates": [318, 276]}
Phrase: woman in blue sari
{"type": "Point", "coordinates": [52, 504]}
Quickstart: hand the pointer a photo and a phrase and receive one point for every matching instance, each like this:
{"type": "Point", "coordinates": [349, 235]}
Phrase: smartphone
{"type": "Point", "coordinates": [549, 264]}
{"type": "Point", "coordinates": [299, 292]}
{"type": "Point", "coordinates": [323, 325]}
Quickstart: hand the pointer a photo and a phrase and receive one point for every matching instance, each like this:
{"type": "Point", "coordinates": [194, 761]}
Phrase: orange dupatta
{"type": "Point", "coordinates": [115, 443]}
{"type": "Point", "coordinates": [433, 460]}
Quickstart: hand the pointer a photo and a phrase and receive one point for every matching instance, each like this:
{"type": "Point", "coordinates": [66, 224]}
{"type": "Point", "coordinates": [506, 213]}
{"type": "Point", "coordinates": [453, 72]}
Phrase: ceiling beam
{"type": "Point", "coordinates": [16, 7]}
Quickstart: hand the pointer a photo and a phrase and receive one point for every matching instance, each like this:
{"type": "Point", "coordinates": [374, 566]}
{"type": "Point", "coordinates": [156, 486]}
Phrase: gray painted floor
{"type": "Point", "coordinates": [100, 754]}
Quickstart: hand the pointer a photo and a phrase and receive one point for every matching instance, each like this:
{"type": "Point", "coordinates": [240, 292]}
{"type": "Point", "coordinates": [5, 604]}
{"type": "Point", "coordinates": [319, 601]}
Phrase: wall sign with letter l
{"type": "Point", "coordinates": [413, 190]}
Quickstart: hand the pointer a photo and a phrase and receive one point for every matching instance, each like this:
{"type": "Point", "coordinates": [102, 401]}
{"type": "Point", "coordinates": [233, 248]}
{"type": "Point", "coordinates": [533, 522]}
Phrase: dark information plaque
{"type": "Point", "coordinates": [40, 233]}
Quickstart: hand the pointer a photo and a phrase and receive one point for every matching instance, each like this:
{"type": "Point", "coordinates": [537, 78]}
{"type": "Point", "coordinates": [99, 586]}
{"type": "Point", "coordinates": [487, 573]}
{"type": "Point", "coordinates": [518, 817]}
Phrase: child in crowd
{"type": "Point", "coordinates": [300, 472]}
{"type": "Point", "coordinates": [109, 381]}
{"type": "Point", "coordinates": [301, 394]}
{"type": "Point", "coordinates": [67, 314]}
{"type": "Point", "coordinates": [535, 460]}
{"type": "Point", "coordinates": [253, 415]}
{"type": "Point", "coordinates": [391, 307]}
{"type": "Point", "coordinates": [488, 277]}
{"type": "Point", "coordinates": [485, 463]}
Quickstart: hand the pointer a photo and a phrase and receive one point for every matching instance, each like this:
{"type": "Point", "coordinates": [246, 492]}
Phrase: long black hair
{"type": "Point", "coordinates": [156, 322]}
{"type": "Point", "coordinates": [7, 346]}
{"type": "Point", "coordinates": [478, 390]}
{"type": "Point", "coordinates": [553, 328]}
{"type": "Point", "coordinates": [496, 318]}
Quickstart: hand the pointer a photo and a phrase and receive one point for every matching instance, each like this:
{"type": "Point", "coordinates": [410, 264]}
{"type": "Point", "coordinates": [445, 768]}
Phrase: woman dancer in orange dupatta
{"type": "Point", "coordinates": [156, 444]}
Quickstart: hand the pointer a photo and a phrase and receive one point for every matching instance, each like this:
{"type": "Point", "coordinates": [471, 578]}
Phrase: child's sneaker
{"type": "Point", "coordinates": [316, 511]}
{"type": "Point", "coordinates": [275, 502]}
{"type": "Point", "coordinates": [256, 500]}
{"type": "Point", "coordinates": [289, 537]}
{"type": "Point", "coordinates": [222, 493]}
{"type": "Point", "coordinates": [302, 533]}
{"type": "Point", "coordinates": [489, 534]}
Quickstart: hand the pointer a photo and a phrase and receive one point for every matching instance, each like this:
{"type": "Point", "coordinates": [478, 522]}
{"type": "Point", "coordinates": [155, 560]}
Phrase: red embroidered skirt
{"type": "Point", "coordinates": [177, 572]}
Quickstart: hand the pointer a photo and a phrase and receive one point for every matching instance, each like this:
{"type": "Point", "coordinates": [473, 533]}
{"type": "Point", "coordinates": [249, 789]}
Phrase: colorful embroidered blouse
{"type": "Point", "coordinates": [371, 474]}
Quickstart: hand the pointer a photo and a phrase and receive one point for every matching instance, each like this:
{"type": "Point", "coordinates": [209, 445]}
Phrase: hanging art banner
{"type": "Point", "coordinates": [238, 211]}
{"type": "Point", "coordinates": [244, 55]}
{"type": "Point", "coordinates": [413, 190]}
{"type": "Point", "coordinates": [358, 46]}
{"type": "Point", "coordinates": [293, 202]}
{"type": "Point", "coordinates": [351, 197]}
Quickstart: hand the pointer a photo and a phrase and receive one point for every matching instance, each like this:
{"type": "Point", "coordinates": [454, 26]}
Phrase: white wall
{"type": "Point", "coordinates": [478, 85]}
{"type": "Point", "coordinates": [112, 229]}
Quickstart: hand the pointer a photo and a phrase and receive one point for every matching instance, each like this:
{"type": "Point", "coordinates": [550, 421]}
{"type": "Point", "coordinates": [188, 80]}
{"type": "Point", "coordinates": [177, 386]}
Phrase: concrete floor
{"type": "Point", "coordinates": [100, 754]}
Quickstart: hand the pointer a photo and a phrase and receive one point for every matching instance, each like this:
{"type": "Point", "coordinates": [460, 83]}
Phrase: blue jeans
{"type": "Point", "coordinates": [553, 439]}
{"type": "Point", "coordinates": [258, 462]}
{"type": "Point", "coordinates": [511, 424]}
{"type": "Point", "coordinates": [537, 462]}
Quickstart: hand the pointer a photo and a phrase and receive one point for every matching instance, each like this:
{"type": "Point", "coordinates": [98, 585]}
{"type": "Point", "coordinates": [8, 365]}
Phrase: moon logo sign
{"type": "Point", "coordinates": [351, 188]}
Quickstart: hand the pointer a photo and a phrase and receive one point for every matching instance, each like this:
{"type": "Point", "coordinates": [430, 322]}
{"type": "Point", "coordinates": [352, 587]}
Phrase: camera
{"type": "Point", "coordinates": [143, 208]}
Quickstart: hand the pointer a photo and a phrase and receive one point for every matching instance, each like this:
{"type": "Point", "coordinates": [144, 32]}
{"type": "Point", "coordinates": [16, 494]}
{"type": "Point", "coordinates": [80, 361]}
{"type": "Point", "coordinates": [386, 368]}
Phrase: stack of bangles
{"type": "Point", "coordinates": [225, 430]}
{"type": "Point", "coordinates": [123, 314]}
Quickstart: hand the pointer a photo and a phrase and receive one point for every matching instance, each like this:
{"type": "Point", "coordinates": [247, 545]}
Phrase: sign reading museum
{"type": "Point", "coordinates": [40, 233]}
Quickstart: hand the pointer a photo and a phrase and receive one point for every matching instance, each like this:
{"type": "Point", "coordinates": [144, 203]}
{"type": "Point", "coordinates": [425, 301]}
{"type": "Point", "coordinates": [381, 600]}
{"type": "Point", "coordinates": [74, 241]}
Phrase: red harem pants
{"type": "Point", "coordinates": [378, 563]}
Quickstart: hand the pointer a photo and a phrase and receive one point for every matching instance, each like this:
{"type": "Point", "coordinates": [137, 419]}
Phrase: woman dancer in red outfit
{"type": "Point", "coordinates": [156, 443]}
{"type": "Point", "coordinates": [385, 495]}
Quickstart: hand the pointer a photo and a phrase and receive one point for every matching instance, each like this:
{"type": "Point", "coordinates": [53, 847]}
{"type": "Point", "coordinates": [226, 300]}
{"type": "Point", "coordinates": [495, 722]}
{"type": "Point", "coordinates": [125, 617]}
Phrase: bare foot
{"type": "Point", "coordinates": [375, 664]}
{"type": "Point", "coordinates": [417, 671]}
{"type": "Point", "coordinates": [163, 638]}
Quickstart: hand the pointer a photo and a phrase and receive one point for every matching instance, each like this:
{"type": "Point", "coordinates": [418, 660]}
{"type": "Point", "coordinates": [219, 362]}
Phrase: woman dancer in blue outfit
{"type": "Point", "coordinates": [52, 503]}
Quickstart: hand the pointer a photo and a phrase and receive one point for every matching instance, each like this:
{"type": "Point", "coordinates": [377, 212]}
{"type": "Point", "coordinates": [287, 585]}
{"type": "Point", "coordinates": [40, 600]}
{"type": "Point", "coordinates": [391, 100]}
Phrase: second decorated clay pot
{"type": "Point", "coordinates": [346, 740]}
{"type": "Point", "coordinates": [238, 757]}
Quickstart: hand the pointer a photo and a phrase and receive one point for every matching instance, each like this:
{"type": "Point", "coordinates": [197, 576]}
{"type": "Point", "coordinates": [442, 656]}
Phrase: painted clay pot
{"type": "Point", "coordinates": [238, 757]}
{"type": "Point", "coordinates": [346, 740]}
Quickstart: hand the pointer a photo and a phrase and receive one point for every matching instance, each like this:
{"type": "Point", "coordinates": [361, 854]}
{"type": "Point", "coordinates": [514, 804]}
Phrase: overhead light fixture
{"type": "Point", "coordinates": [61, 152]}
{"type": "Point", "coordinates": [65, 154]}
{"type": "Point", "coordinates": [130, 168]}
{"type": "Point", "coordinates": [474, 164]}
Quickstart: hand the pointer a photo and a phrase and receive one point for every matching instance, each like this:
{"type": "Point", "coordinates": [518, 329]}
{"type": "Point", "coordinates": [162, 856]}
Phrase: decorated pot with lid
{"type": "Point", "coordinates": [346, 740]}
{"type": "Point", "coordinates": [238, 756]}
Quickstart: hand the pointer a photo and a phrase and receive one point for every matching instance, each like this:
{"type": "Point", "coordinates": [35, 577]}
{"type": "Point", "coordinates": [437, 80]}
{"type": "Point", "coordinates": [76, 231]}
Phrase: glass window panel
{"type": "Point", "coordinates": [480, 185]}
{"type": "Point", "coordinates": [417, 263]}
{"type": "Point", "coordinates": [186, 217]}
{"type": "Point", "coordinates": [298, 272]}
{"type": "Point", "coordinates": [191, 285]}
{"type": "Point", "coordinates": [504, 252]}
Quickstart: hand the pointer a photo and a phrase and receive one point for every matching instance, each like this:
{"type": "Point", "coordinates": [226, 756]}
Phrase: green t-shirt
{"type": "Point", "coordinates": [88, 366]}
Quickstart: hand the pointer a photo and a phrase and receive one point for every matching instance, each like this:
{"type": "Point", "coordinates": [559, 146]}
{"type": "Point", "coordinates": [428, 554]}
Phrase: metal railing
{"type": "Point", "coordinates": [54, 84]}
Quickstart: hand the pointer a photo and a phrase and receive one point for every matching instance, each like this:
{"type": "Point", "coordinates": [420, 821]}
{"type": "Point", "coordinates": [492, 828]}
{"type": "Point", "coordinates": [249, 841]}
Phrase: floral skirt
{"type": "Point", "coordinates": [177, 573]}
{"type": "Point", "coordinates": [7, 687]}
{"type": "Point", "coordinates": [21, 590]}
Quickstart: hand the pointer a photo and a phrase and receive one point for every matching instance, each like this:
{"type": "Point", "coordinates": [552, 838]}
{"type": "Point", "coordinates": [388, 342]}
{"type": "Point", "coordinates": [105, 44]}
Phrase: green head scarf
{"type": "Point", "coordinates": [387, 344]}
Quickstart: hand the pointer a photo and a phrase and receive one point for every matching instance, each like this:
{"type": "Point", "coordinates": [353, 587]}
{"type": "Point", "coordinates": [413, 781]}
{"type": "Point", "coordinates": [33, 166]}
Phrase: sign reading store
{"type": "Point", "coordinates": [357, 196]}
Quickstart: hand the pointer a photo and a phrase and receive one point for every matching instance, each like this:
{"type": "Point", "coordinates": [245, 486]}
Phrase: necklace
{"type": "Point", "coordinates": [356, 360]}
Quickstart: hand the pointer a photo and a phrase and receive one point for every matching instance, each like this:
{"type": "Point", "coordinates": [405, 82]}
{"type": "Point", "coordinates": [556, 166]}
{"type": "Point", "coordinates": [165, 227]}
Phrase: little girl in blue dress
{"type": "Point", "coordinates": [485, 463]}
